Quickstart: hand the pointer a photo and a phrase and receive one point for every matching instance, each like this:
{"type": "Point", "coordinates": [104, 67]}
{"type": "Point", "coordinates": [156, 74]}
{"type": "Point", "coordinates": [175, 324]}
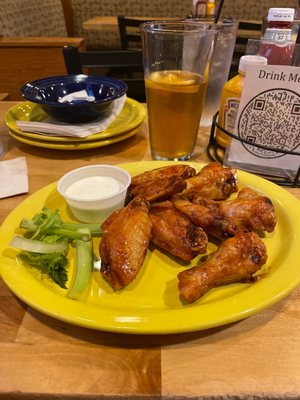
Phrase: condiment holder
{"type": "Point", "coordinates": [217, 153]}
{"type": "Point", "coordinates": [94, 192]}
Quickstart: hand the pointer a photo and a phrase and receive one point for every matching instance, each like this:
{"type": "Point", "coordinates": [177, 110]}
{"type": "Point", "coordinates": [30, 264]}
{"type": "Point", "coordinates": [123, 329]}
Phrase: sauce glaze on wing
{"type": "Point", "coordinates": [182, 170]}
{"type": "Point", "coordinates": [160, 183]}
{"type": "Point", "coordinates": [124, 243]}
{"type": "Point", "coordinates": [174, 232]}
{"type": "Point", "coordinates": [250, 211]}
{"type": "Point", "coordinates": [213, 182]}
{"type": "Point", "coordinates": [236, 260]}
{"type": "Point", "coordinates": [158, 190]}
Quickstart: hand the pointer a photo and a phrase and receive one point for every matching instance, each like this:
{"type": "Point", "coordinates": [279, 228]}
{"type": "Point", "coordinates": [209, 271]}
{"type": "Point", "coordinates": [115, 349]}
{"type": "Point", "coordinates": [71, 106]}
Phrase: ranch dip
{"type": "Point", "coordinates": [94, 188]}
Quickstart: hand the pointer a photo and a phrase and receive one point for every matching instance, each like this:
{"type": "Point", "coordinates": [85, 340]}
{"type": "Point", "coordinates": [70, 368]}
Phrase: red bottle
{"type": "Point", "coordinates": [277, 45]}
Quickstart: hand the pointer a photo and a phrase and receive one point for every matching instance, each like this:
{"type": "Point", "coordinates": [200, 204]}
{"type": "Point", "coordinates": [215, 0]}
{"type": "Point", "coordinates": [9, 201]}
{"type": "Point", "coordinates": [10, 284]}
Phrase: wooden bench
{"type": "Point", "coordinates": [26, 59]}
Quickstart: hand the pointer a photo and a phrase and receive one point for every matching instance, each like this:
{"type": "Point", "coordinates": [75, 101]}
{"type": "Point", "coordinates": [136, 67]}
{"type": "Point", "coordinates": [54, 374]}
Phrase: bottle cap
{"type": "Point", "coordinates": [281, 14]}
{"type": "Point", "coordinates": [249, 60]}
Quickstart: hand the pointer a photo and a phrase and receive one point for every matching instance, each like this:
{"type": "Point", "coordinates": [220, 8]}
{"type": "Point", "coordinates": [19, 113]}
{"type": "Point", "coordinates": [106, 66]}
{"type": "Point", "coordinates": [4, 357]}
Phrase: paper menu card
{"type": "Point", "coordinates": [268, 115]}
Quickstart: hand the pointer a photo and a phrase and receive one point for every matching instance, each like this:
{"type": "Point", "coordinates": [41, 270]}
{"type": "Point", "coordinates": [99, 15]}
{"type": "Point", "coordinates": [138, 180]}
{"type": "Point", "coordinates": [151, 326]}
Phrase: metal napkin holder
{"type": "Point", "coordinates": [216, 153]}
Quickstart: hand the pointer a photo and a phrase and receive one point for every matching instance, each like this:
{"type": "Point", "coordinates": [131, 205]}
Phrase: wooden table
{"type": "Point", "coordinates": [4, 96]}
{"type": "Point", "coordinates": [109, 23]}
{"type": "Point", "coordinates": [106, 23]}
{"type": "Point", "coordinates": [43, 358]}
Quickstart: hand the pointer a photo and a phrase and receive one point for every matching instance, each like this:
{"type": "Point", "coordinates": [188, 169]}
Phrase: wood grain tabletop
{"type": "Point", "coordinates": [44, 358]}
{"type": "Point", "coordinates": [110, 23]}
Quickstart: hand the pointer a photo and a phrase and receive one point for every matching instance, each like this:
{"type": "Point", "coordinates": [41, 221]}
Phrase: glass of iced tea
{"type": "Point", "coordinates": [177, 57]}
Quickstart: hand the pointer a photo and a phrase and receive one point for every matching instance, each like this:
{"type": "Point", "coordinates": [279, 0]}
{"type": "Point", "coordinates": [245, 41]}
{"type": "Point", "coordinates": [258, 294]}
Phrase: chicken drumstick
{"type": "Point", "coordinates": [236, 260]}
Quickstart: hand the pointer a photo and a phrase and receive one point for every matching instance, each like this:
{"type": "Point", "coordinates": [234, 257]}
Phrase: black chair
{"type": "Point", "coordinates": [129, 29]}
{"type": "Point", "coordinates": [246, 30]}
{"type": "Point", "coordinates": [124, 65]}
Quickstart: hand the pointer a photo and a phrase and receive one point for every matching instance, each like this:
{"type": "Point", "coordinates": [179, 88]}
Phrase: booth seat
{"type": "Point", "coordinates": [32, 35]}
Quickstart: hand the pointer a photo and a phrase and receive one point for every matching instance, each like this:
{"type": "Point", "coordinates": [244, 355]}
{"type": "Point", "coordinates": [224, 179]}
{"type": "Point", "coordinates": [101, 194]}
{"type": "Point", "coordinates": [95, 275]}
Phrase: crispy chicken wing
{"type": "Point", "coordinates": [249, 211]}
{"type": "Point", "coordinates": [174, 232]}
{"type": "Point", "coordinates": [157, 190]}
{"type": "Point", "coordinates": [182, 170]}
{"type": "Point", "coordinates": [209, 220]}
{"type": "Point", "coordinates": [222, 219]}
{"type": "Point", "coordinates": [160, 183]}
{"type": "Point", "coordinates": [213, 181]}
{"type": "Point", "coordinates": [236, 260]}
{"type": "Point", "coordinates": [126, 235]}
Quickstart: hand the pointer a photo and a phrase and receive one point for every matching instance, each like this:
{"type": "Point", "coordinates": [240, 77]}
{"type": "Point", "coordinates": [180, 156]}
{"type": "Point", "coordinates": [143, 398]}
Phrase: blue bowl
{"type": "Point", "coordinates": [47, 92]}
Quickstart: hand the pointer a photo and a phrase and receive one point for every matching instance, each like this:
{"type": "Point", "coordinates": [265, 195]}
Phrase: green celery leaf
{"type": "Point", "coordinates": [53, 265]}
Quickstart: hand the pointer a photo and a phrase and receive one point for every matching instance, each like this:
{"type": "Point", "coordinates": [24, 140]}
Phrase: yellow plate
{"type": "Point", "coordinates": [151, 305]}
{"type": "Point", "coordinates": [77, 145]}
{"type": "Point", "coordinates": [131, 116]}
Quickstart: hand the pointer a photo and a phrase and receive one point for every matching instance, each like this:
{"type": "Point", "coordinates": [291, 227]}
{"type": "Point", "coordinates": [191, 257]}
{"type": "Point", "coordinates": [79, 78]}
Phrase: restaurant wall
{"type": "Point", "coordinates": [19, 18]}
{"type": "Point", "coordinates": [46, 18]}
{"type": "Point", "coordinates": [84, 10]}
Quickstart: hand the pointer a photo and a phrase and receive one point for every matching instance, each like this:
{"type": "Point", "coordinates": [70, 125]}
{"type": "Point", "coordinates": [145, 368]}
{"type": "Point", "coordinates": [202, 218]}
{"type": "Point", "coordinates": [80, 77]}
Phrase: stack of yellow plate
{"type": "Point", "coordinates": [124, 126]}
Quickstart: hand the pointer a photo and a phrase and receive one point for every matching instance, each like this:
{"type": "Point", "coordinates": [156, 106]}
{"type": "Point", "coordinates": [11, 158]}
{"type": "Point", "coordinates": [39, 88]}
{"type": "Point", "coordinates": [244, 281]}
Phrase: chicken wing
{"type": "Point", "coordinates": [157, 190]}
{"type": "Point", "coordinates": [182, 170]}
{"type": "Point", "coordinates": [236, 260]}
{"type": "Point", "coordinates": [174, 232]}
{"type": "Point", "coordinates": [249, 211]}
{"type": "Point", "coordinates": [126, 235]}
{"type": "Point", "coordinates": [212, 222]}
{"type": "Point", "coordinates": [214, 182]}
{"type": "Point", "coordinates": [222, 219]}
{"type": "Point", "coordinates": [160, 183]}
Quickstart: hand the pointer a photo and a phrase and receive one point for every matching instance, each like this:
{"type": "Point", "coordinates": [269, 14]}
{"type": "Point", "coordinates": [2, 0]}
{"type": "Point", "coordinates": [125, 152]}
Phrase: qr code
{"type": "Point", "coordinates": [271, 119]}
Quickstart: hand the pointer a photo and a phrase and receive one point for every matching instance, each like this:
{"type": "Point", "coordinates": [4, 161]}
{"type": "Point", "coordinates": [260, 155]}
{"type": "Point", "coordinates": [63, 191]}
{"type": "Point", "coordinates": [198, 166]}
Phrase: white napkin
{"type": "Point", "coordinates": [80, 95]}
{"type": "Point", "coordinates": [13, 177]}
{"type": "Point", "coordinates": [52, 127]}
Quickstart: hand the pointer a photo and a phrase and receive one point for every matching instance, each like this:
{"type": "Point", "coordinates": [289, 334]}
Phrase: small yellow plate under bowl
{"type": "Point", "coordinates": [151, 304]}
{"type": "Point", "coordinates": [74, 145]}
{"type": "Point", "coordinates": [131, 116]}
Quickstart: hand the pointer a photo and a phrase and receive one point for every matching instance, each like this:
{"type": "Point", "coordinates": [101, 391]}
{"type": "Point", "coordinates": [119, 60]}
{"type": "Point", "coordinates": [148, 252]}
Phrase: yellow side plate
{"type": "Point", "coordinates": [75, 145]}
{"type": "Point", "coordinates": [131, 116]}
{"type": "Point", "coordinates": [151, 305]}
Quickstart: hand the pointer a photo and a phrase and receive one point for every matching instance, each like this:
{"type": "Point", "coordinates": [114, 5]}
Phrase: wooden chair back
{"type": "Point", "coordinates": [129, 30]}
{"type": "Point", "coordinates": [130, 35]}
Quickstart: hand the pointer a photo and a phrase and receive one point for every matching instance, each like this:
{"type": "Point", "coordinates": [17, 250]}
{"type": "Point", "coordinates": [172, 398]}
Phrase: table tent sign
{"type": "Point", "coordinates": [268, 115]}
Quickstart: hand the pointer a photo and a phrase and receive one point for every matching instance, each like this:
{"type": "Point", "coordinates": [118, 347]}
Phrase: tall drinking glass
{"type": "Point", "coordinates": [220, 67]}
{"type": "Point", "coordinates": [177, 57]}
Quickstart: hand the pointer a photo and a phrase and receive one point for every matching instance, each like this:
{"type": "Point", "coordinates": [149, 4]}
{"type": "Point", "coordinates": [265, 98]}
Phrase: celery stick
{"type": "Point", "coordinates": [46, 233]}
{"type": "Point", "coordinates": [67, 229]}
{"type": "Point", "coordinates": [83, 269]}
{"type": "Point", "coordinates": [94, 228]}
{"type": "Point", "coordinates": [37, 246]}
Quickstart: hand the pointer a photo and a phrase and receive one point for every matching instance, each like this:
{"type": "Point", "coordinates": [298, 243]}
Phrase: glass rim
{"type": "Point", "coordinates": [177, 26]}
